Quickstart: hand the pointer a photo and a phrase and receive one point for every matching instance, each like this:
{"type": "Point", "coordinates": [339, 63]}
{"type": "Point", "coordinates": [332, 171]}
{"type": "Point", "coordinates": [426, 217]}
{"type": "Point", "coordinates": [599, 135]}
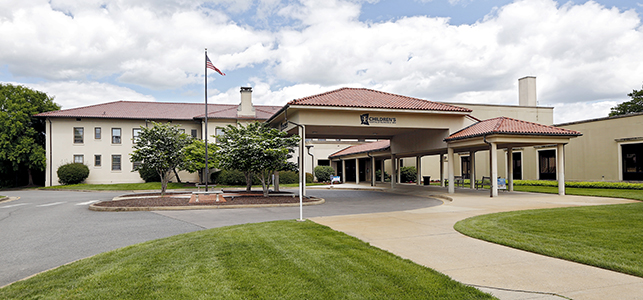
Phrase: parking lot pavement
{"type": "Point", "coordinates": [45, 229]}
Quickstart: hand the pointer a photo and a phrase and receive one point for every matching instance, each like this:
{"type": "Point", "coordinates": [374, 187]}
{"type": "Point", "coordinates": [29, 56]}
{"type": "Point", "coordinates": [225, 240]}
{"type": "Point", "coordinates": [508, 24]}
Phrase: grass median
{"type": "Point", "coordinates": [595, 192]}
{"type": "Point", "coordinates": [273, 260]}
{"type": "Point", "coordinates": [609, 237]}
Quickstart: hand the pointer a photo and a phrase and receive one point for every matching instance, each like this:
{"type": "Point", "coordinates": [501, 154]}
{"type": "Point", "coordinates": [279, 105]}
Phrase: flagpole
{"type": "Point", "coordinates": [206, 120]}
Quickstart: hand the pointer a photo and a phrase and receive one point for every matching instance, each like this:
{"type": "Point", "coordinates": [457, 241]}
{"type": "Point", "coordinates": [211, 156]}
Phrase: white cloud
{"type": "Point", "coordinates": [569, 112]}
{"type": "Point", "coordinates": [579, 53]}
{"type": "Point", "coordinates": [71, 94]}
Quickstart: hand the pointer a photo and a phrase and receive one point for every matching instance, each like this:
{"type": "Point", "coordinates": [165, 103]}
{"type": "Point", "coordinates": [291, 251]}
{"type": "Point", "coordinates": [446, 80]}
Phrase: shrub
{"type": "Point", "coordinates": [148, 174]}
{"type": "Point", "coordinates": [309, 177]}
{"type": "Point", "coordinates": [408, 174]}
{"type": "Point", "coordinates": [231, 177]}
{"type": "Point", "coordinates": [286, 177]}
{"type": "Point", "coordinates": [323, 173]}
{"type": "Point", "coordinates": [72, 173]}
{"type": "Point", "coordinates": [378, 176]}
{"type": "Point", "coordinates": [583, 184]}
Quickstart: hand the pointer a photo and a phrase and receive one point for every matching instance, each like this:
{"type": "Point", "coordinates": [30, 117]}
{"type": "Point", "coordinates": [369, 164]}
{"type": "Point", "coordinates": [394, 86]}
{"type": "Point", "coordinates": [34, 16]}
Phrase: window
{"type": "Point", "coordinates": [135, 165]}
{"type": "Point", "coordinates": [136, 132]}
{"type": "Point", "coordinates": [181, 130]}
{"type": "Point", "coordinates": [632, 161]}
{"type": "Point", "coordinates": [323, 162]}
{"type": "Point", "coordinates": [547, 162]}
{"type": "Point", "coordinates": [78, 159]}
{"type": "Point", "coordinates": [219, 132]}
{"type": "Point", "coordinates": [116, 162]}
{"type": "Point", "coordinates": [193, 133]}
{"type": "Point", "coordinates": [116, 135]}
{"type": "Point", "coordinates": [78, 135]}
{"type": "Point", "coordinates": [97, 160]}
{"type": "Point", "coordinates": [97, 133]}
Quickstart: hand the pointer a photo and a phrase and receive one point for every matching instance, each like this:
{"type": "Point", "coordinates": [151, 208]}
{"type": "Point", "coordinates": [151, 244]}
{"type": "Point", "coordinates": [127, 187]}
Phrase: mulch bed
{"type": "Point", "coordinates": [172, 201]}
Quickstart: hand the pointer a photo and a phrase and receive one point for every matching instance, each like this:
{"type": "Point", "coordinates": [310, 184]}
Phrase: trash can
{"type": "Point", "coordinates": [427, 180]}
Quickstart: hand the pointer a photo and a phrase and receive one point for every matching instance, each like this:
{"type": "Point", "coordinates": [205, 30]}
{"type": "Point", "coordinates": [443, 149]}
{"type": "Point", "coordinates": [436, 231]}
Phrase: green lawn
{"type": "Point", "coordinates": [148, 186]}
{"type": "Point", "coordinates": [609, 236]}
{"type": "Point", "coordinates": [612, 193]}
{"type": "Point", "coordinates": [273, 260]}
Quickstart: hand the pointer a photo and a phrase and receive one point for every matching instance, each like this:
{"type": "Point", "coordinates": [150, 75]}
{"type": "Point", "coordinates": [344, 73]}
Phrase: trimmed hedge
{"type": "Point", "coordinates": [287, 177]}
{"type": "Point", "coordinates": [378, 176]}
{"type": "Point", "coordinates": [309, 177]}
{"type": "Point", "coordinates": [72, 173]}
{"type": "Point", "coordinates": [583, 184]}
{"type": "Point", "coordinates": [323, 173]}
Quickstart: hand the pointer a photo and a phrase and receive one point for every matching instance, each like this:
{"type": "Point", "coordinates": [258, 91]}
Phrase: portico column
{"type": "Point", "coordinates": [393, 162]}
{"type": "Point", "coordinates": [382, 176]}
{"type": "Point", "coordinates": [560, 167]}
{"type": "Point", "coordinates": [399, 171]}
{"type": "Point", "coordinates": [510, 169]}
{"type": "Point", "coordinates": [441, 170]}
{"type": "Point", "coordinates": [343, 171]}
{"type": "Point", "coordinates": [493, 155]}
{"type": "Point", "coordinates": [472, 170]}
{"type": "Point", "coordinates": [357, 171]}
{"type": "Point", "coordinates": [451, 169]}
{"type": "Point", "coordinates": [372, 171]}
{"type": "Point", "coordinates": [418, 167]}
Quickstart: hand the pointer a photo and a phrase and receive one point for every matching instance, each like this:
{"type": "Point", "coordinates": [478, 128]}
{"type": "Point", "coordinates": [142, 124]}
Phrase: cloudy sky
{"type": "Point", "coordinates": [586, 55]}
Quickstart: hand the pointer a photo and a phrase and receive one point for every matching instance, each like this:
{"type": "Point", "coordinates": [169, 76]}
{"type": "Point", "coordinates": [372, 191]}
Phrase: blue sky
{"type": "Point", "coordinates": [585, 54]}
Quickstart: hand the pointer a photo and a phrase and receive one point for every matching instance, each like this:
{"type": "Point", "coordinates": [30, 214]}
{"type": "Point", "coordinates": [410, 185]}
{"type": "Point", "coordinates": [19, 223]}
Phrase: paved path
{"type": "Point", "coordinates": [426, 236]}
{"type": "Point", "coordinates": [46, 229]}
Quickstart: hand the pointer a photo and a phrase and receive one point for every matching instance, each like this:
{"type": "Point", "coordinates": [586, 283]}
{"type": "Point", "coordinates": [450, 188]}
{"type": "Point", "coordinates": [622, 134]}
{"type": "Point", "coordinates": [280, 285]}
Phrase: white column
{"type": "Point", "coordinates": [510, 169]}
{"type": "Point", "coordinates": [494, 169]}
{"type": "Point", "coordinates": [393, 162]}
{"type": "Point", "coordinates": [302, 159]}
{"type": "Point", "coordinates": [399, 171]}
{"type": "Point", "coordinates": [451, 171]}
{"type": "Point", "coordinates": [441, 170]}
{"type": "Point", "coordinates": [418, 167]}
{"type": "Point", "coordinates": [372, 171]}
{"type": "Point", "coordinates": [560, 167]}
{"type": "Point", "coordinates": [357, 171]}
{"type": "Point", "coordinates": [343, 171]}
{"type": "Point", "coordinates": [472, 162]}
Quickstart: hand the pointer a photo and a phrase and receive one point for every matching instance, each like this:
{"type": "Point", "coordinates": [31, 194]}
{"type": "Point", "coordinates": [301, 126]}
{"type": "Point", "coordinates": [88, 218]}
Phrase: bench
{"type": "Point", "coordinates": [197, 193]}
{"type": "Point", "coordinates": [457, 181]}
{"type": "Point", "coordinates": [482, 182]}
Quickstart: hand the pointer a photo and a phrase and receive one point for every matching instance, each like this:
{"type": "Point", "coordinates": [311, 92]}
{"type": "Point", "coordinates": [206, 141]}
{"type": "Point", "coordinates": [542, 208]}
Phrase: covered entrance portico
{"type": "Point", "coordinates": [411, 127]}
{"type": "Point", "coordinates": [506, 133]}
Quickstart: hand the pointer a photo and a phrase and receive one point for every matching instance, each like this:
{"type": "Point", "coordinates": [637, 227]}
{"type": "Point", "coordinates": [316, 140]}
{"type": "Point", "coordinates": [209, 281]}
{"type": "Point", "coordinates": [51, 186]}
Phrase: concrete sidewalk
{"type": "Point", "coordinates": [426, 236]}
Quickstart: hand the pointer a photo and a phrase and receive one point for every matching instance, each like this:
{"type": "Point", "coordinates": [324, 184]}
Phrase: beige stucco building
{"type": "Point", "coordinates": [360, 131]}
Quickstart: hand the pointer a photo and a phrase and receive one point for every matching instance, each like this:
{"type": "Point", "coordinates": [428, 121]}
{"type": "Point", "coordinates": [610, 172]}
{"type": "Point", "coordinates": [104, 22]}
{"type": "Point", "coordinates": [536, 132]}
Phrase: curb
{"type": "Point", "coordinates": [8, 199]}
{"type": "Point", "coordinates": [195, 207]}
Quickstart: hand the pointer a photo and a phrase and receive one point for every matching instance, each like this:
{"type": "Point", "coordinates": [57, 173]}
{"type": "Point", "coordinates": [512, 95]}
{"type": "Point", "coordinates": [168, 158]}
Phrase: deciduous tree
{"type": "Point", "coordinates": [256, 149]}
{"type": "Point", "coordinates": [160, 148]}
{"type": "Point", "coordinates": [22, 136]}
{"type": "Point", "coordinates": [194, 160]}
{"type": "Point", "coordinates": [628, 107]}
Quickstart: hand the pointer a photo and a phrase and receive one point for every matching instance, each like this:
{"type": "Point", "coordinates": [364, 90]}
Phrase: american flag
{"type": "Point", "coordinates": [209, 65]}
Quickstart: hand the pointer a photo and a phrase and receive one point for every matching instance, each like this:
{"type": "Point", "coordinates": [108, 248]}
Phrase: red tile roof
{"type": "Point", "coordinates": [363, 148]}
{"type": "Point", "coordinates": [504, 125]}
{"type": "Point", "coordinates": [158, 110]}
{"type": "Point", "coordinates": [367, 98]}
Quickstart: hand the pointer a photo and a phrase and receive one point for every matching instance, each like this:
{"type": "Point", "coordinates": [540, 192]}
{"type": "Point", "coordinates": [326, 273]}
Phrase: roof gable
{"type": "Point", "coordinates": [367, 98]}
{"type": "Point", "coordinates": [504, 125]}
{"type": "Point", "coordinates": [362, 148]}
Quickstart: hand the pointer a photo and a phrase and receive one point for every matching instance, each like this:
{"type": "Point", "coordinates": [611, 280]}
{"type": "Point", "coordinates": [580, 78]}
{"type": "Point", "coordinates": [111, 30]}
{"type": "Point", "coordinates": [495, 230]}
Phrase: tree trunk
{"type": "Point", "coordinates": [248, 181]}
{"type": "Point", "coordinates": [30, 177]}
{"type": "Point", "coordinates": [178, 179]}
{"type": "Point", "coordinates": [164, 179]}
{"type": "Point", "coordinates": [264, 185]}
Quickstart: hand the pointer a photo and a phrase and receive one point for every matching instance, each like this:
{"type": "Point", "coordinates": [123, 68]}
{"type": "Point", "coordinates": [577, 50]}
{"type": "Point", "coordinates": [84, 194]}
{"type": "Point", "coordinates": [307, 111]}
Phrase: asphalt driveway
{"type": "Point", "coordinates": [46, 229]}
